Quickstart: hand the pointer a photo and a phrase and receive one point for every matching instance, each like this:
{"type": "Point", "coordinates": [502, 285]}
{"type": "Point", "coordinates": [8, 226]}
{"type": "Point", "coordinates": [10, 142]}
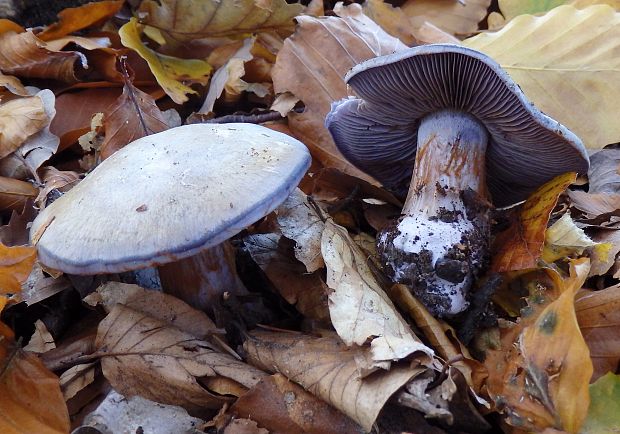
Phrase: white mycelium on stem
{"type": "Point", "coordinates": [440, 242]}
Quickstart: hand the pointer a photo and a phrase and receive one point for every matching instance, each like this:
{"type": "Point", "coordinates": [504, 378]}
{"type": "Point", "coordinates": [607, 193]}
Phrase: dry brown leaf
{"type": "Point", "coordinates": [76, 378]}
{"type": "Point", "coordinates": [39, 147]}
{"type": "Point", "coordinates": [360, 310]}
{"type": "Point", "coordinates": [428, 33]}
{"type": "Point", "coordinates": [299, 222]}
{"type": "Point", "coordinates": [72, 19]}
{"type": "Point", "coordinates": [274, 255]}
{"type": "Point", "coordinates": [312, 64]}
{"type": "Point", "coordinates": [603, 175]}
{"type": "Point", "coordinates": [557, 359]}
{"type": "Point", "coordinates": [520, 246]}
{"type": "Point", "coordinates": [15, 194]}
{"type": "Point", "coordinates": [594, 204]}
{"type": "Point", "coordinates": [184, 21]}
{"type": "Point", "coordinates": [328, 369]}
{"type": "Point", "coordinates": [598, 314]}
{"type": "Point", "coordinates": [436, 332]}
{"type": "Point", "coordinates": [15, 233]}
{"type": "Point", "coordinates": [30, 397]}
{"type": "Point", "coordinates": [392, 19]}
{"type": "Point", "coordinates": [15, 266]}
{"type": "Point", "coordinates": [282, 406]}
{"type": "Point", "coordinates": [144, 356]}
{"type": "Point", "coordinates": [455, 17]}
{"type": "Point", "coordinates": [25, 55]}
{"type": "Point", "coordinates": [155, 304]}
{"type": "Point", "coordinates": [134, 114]}
{"type": "Point", "coordinates": [41, 340]}
{"type": "Point", "coordinates": [19, 119]}
{"type": "Point", "coordinates": [54, 179]}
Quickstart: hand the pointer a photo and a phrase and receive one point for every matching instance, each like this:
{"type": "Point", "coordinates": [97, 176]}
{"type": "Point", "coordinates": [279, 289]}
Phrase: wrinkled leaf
{"type": "Point", "coordinates": [520, 246]}
{"type": "Point", "coordinates": [328, 369]}
{"type": "Point", "coordinates": [513, 8]}
{"type": "Point", "coordinates": [19, 119]}
{"type": "Point", "coordinates": [604, 412]}
{"type": "Point", "coordinates": [282, 406]}
{"type": "Point", "coordinates": [15, 194]}
{"type": "Point", "coordinates": [557, 359]}
{"type": "Point", "coordinates": [41, 61]}
{"type": "Point", "coordinates": [569, 75]}
{"type": "Point", "coordinates": [300, 222]}
{"type": "Point", "coordinates": [73, 19]}
{"type": "Point", "coordinates": [173, 74]}
{"type": "Point", "coordinates": [312, 64]}
{"type": "Point", "coordinates": [186, 20]}
{"type": "Point", "coordinates": [30, 397]}
{"type": "Point", "coordinates": [147, 357]}
{"type": "Point", "coordinates": [360, 310]}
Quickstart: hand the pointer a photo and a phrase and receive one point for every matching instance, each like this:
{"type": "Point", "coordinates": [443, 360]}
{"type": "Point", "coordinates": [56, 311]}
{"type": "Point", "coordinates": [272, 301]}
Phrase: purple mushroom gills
{"type": "Point", "coordinates": [449, 127]}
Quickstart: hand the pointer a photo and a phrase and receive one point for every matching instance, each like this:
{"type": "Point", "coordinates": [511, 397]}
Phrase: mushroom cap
{"type": "Point", "coordinates": [377, 132]}
{"type": "Point", "coordinates": [167, 196]}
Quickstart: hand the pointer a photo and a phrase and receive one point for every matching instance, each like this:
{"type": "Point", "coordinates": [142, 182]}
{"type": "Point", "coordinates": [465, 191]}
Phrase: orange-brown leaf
{"type": "Point", "coordinates": [15, 266]}
{"type": "Point", "coordinates": [520, 246]}
{"type": "Point", "coordinates": [25, 55]}
{"type": "Point", "coordinates": [30, 396]}
{"type": "Point", "coordinates": [15, 193]}
{"type": "Point", "coordinates": [72, 19]}
{"type": "Point", "coordinates": [133, 115]}
{"type": "Point", "coordinates": [557, 359]}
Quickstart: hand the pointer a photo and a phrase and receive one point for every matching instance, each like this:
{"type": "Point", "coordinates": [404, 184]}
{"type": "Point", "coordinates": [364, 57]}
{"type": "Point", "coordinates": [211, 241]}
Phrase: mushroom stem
{"type": "Point", "coordinates": [202, 279]}
{"type": "Point", "coordinates": [441, 241]}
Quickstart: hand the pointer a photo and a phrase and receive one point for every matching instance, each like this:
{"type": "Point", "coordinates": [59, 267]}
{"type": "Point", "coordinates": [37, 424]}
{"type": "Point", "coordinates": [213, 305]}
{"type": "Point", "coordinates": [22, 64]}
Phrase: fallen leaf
{"type": "Point", "coordinates": [514, 8]}
{"type": "Point", "coordinates": [392, 19]}
{"type": "Point", "coordinates": [134, 115]}
{"type": "Point", "coordinates": [227, 79]}
{"type": "Point", "coordinates": [15, 266]}
{"type": "Point", "coordinates": [603, 175]}
{"type": "Point", "coordinates": [328, 369]}
{"type": "Point", "coordinates": [428, 33]}
{"type": "Point", "coordinates": [41, 340]}
{"type": "Point", "coordinates": [15, 194]}
{"type": "Point", "coordinates": [144, 356]}
{"type": "Point", "coordinates": [39, 147]}
{"type": "Point", "coordinates": [520, 246]}
{"type": "Point", "coordinates": [173, 74]}
{"type": "Point", "coordinates": [312, 64]}
{"type": "Point", "coordinates": [155, 304]}
{"type": "Point", "coordinates": [73, 19]}
{"type": "Point", "coordinates": [604, 411]}
{"type": "Point", "coordinates": [282, 406]}
{"type": "Point", "coordinates": [306, 291]}
{"type": "Point", "coordinates": [598, 315]}
{"type": "Point", "coordinates": [76, 378]}
{"type": "Point", "coordinates": [19, 119]}
{"type": "Point", "coordinates": [594, 204]}
{"type": "Point", "coordinates": [299, 222]}
{"type": "Point", "coordinates": [455, 17]}
{"type": "Point", "coordinates": [16, 232]}
{"type": "Point", "coordinates": [54, 179]}
{"type": "Point", "coordinates": [184, 20]}
{"type": "Point", "coordinates": [360, 310]}
{"type": "Point", "coordinates": [30, 397]}
{"type": "Point", "coordinates": [25, 55]}
{"type": "Point", "coordinates": [557, 359]}
{"type": "Point", "coordinates": [564, 239]}
{"type": "Point", "coordinates": [568, 75]}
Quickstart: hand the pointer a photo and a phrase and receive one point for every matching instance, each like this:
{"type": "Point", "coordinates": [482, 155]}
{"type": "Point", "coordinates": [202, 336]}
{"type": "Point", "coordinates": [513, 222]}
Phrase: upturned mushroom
{"type": "Point", "coordinates": [170, 196]}
{"type": "Point", "coordinates": [447, 125]}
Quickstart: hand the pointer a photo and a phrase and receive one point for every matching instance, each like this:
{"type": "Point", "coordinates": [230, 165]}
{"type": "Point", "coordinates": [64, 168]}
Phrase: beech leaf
{"type": "Point", "coordinates": [604, 412]}
{"type": "Point", "coordinates": [15, 266]}
{"type": "Point", "coordinates": [19, 119]}
{"type": "Point", "coordinates": [186, 20]}
{"type": "Point", "coordinates": [455, 17]}
{"type": "Point", "coordinates": [73, 19]}
{"type": "Point", "coordinates": [145, 356]}
{"type": "Point", "coordinates": [14, 194]}
{"type": "Point", "coordinates": [360, 310]}
{"type": "Point", "coordinates": [570, 75]}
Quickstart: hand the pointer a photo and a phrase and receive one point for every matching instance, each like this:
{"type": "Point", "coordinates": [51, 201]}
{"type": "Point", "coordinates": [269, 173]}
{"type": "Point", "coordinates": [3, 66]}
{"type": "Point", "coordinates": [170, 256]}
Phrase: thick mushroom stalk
{"type": "Point", "coordinates": [440, 243]}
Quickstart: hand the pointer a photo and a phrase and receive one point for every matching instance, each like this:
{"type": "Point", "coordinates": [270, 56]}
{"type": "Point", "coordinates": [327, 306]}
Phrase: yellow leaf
{"type": "Point", "coordinates": [520, 246]}
{"type": "Point", "coordinates": [513, 8]}
{"type": "Point", "coordinates": [172, 73]}
{"type": "Point", "coordinates": [186, 20]}
{"type": "Point", "coordinates": [568, 63]}
{"type": "Point", "coordinates": [557, 359]}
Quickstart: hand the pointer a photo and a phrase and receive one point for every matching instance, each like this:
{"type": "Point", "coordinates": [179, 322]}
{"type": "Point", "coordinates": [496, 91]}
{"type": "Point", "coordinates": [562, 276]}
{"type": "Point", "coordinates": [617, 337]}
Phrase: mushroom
{"type": "Point", "coordinates": [170, 196]}
{"type": "Point", "coordinates": [447, 125]}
